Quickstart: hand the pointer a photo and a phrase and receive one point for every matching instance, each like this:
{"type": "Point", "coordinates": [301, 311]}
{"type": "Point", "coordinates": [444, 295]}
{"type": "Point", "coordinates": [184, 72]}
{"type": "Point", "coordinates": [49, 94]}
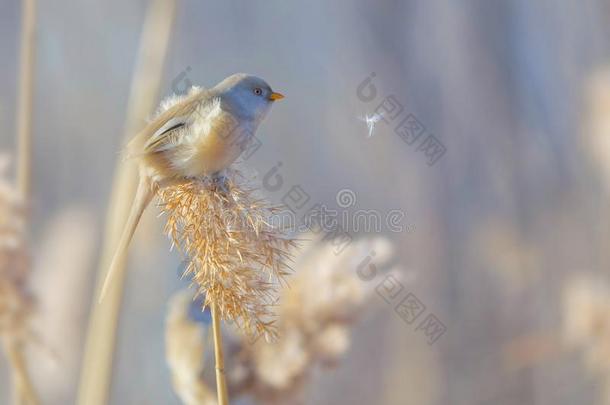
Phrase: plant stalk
{"type": "Point", "coordinates": [25, 98]}
{"type": "Point", "coordinates": [221, 382]}
{"type": "Point", "coordinates": [96, 371]}
{"type": "Point", "coordinates": [24, 392]}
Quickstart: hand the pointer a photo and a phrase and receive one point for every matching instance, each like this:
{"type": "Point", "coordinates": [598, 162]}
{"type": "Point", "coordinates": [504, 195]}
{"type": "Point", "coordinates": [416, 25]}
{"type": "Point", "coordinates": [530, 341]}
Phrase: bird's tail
{"type": "Point", "coordinates": [143, 197]}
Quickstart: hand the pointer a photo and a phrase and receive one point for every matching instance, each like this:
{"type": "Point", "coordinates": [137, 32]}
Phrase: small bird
{"type": "Point", "coordinates": [371, 122]}
{"type": "Point", "coordinates": [195, 136]}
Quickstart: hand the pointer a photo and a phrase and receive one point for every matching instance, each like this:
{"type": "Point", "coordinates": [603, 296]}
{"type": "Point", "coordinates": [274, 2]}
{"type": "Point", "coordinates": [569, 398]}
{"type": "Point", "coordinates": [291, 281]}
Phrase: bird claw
{"type": "Point", "coordinates": [221, 183]}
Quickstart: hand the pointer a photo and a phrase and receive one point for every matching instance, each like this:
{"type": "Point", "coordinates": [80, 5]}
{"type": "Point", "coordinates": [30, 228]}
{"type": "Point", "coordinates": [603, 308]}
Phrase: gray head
{"type": "Point", "coordinates": [247, 95]}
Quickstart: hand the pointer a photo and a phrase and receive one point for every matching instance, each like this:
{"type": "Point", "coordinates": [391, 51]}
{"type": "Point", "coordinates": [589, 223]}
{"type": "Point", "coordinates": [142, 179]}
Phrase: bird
{"type": "Point", "coordinates": [193, 136]}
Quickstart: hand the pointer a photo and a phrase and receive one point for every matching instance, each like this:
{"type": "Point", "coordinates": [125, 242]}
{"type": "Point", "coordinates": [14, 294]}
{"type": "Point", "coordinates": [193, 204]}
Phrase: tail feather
{"type": "Point", "coordinates": [143, 197]}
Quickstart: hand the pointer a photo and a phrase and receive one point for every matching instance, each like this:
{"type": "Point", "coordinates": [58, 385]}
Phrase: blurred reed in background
{"type": "Point", "coordinates": [315, 313]}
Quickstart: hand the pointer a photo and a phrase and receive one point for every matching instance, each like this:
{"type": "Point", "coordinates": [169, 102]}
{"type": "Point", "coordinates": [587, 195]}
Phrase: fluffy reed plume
{"type": "Point", "coordinates": [587, 320]}
{"type": "Point", "coordinates": [587, 325]}
{"type": "Point", "coordinates": [236, 257]}
{"type": "Point", "coordinates": [185, 348]}
{"type": "Point", "coordinates": [325, 298]}
{"type": "Point", "coordinates": [15, 300]}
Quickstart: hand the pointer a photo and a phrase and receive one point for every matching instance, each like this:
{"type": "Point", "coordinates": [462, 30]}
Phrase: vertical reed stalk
{"type": "Point", "coordinates": [24, 102]}
{"type": "Point", "coordinates": [101, 334]}
{"type": "Point", "coordinates": [221, 382]}
{"type": "Point", "coordinates": [23, 390]}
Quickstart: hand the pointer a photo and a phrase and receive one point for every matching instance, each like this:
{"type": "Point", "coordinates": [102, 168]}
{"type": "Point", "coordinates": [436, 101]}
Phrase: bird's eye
{"type": "Point", "coordinates": [258, 91]}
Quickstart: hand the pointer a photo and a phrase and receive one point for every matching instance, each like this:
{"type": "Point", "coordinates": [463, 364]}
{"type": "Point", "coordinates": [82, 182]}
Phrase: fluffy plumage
{"type": "Point", "coordinates": [204, 132]}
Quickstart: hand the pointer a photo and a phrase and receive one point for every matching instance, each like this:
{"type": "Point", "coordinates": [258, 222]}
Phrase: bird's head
{"type": "Point", "coordinates": [247, 95]}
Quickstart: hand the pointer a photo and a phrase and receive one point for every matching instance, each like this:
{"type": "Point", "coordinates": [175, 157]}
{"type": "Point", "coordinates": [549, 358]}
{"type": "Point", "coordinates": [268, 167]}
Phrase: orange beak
{"type": "Point", "coordinates": [276, 96]}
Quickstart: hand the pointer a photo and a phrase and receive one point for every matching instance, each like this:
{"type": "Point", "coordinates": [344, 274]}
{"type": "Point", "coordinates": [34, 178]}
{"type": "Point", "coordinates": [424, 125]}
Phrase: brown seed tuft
{"type": "Point", "coordinates": [237, 258]}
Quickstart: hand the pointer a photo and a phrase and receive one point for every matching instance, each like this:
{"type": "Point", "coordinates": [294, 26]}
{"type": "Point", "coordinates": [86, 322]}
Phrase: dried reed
{"type": "Point", "coordinates": [101, 333]}
{"type": "Point", "coordinates": [314, 317]}
{"type": "Point", "coordinates": [15, 300]}
{"type": "Point", "coordinates": [185, 345]}
{"type": "Point", "coordinates": [60, 282]}
{"type": "Point", "coordinates": [325, 299]}
{"type": "Point", "coordinates": [221, 378]}
{"type": "Point", "coordinates": [25, 98]}
{"type": "Point", "coordinates": [236, 257]}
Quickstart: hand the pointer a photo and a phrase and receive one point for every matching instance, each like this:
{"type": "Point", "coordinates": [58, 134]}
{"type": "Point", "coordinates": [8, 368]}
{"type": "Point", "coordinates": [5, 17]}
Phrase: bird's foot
{"type": "Point", "coordinates": [221, 182]}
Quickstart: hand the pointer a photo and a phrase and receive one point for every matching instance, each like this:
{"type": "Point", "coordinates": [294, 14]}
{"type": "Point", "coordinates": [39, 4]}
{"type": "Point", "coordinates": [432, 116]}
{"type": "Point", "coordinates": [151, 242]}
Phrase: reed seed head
{"type": "Point", "coordinates": [237, 259]}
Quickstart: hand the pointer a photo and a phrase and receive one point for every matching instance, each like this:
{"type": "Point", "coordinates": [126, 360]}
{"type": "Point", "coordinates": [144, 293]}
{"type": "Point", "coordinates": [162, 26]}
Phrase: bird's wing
{"type": "Point", "coordinates": [167, 135]}
{"type": "Point", "coordinates": [165, 129]}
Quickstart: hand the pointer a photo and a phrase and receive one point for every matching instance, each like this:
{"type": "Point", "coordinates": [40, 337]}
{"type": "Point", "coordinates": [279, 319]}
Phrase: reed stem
{"type": "Point", "coordinates": [221, 382]}
{"type": "Point", "coordinates": [25, 98]}
{"type": "Point", "coordinates": [23, 389]}
{"type": "Point", "coordinates": [96, 370]}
